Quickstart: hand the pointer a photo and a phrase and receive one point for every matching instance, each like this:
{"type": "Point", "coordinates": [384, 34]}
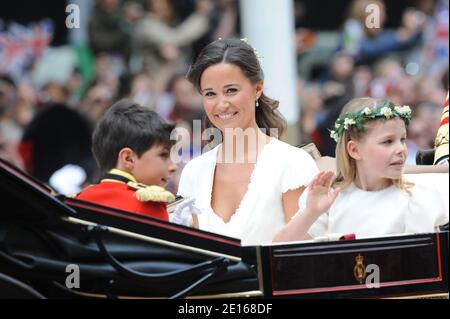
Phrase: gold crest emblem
{"type": "Point", "coordinates": [359, 271]}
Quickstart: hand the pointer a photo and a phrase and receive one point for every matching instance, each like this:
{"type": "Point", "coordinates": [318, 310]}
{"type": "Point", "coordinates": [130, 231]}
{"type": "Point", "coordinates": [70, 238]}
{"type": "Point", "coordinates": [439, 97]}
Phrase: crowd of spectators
{"type": "Point", "coordinates": [142, 49]}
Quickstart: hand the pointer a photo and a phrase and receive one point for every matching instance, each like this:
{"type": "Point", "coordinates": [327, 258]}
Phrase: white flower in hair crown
{"type": "Point", "coordinates": [258, 56]}
{"type": "Point", "coordinates": [356, 120]}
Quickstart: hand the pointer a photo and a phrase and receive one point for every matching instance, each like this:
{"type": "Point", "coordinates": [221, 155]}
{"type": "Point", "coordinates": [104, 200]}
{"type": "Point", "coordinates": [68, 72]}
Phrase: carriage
{"type": "Point", "coordinates": [52, 246]}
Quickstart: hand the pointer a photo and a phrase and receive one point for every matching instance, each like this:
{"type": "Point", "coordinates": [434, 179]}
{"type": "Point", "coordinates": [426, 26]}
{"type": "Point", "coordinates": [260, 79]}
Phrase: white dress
{"type": "Point", "coordinates": [279, 168]}
{"type": "Point", "coordinates": [386, 212]}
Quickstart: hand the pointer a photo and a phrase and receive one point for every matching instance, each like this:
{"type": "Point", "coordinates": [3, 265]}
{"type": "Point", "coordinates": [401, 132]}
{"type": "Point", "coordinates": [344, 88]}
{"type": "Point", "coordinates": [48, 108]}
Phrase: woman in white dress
{"type": "Point", "coordinates": [369, 196]}
{"type": "Point", "coordinates": [249, 185]}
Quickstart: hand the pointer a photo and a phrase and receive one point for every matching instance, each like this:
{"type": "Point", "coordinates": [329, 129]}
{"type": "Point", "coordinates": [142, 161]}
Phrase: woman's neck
{"type": "Point", "coordinates": [242, 146]}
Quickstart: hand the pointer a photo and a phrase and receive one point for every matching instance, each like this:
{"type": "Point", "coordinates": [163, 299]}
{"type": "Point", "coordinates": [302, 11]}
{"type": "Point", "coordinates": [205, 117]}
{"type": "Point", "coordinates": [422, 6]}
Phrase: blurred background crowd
{"type": "Point", "coordinates": [54, 89]}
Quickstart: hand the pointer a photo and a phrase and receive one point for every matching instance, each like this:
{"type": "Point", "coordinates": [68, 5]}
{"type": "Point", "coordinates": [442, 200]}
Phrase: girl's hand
{"type": "Point", "coordinates": [320, 198]}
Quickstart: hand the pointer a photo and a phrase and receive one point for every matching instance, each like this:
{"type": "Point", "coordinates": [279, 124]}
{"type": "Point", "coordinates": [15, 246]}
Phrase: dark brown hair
{"type": "Point", "coordinates": [128, 124]}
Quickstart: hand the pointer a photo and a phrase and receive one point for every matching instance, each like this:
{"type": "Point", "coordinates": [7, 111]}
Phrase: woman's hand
{"type": "Point", "coordinates": [320, 197]}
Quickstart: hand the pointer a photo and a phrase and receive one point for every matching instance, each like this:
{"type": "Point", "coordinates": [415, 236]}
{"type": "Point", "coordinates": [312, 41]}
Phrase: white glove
{"type": "Point", "coordinates": [182, 214]}
{"type": "Point", "coordinates": [68, 179]}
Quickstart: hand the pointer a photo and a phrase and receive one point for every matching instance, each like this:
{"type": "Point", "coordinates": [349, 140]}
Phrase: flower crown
{"type": "Point", "coordinates": [356, 120]}
{"type": "Point", "coordinates": [258, 56]}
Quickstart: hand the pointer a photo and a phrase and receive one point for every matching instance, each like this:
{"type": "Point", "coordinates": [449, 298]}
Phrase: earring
{"type": "Point", "coordinates": [257, 103]}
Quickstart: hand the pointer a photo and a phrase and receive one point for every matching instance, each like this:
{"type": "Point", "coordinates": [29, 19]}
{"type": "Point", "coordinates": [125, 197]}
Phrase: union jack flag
{"type": "Point", "coordinates": [444, 119]}
{"type": "Point", "coordinates": [441, 141]}
{"type": "Point", "coordinates": [20, 44]}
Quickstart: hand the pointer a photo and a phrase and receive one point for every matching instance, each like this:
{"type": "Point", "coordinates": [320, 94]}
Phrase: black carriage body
{"type": "Point", "coordinates": [125, 255]}
{"type": "Point", "coordinates": [411, 265]}
{"type": "Point", "coordinates": [118, 254]}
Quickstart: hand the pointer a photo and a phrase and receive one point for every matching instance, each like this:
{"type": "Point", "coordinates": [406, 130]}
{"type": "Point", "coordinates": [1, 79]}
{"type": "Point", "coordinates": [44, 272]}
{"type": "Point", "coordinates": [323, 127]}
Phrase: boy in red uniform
{"type": "Point", "coordinates": [131, 144]}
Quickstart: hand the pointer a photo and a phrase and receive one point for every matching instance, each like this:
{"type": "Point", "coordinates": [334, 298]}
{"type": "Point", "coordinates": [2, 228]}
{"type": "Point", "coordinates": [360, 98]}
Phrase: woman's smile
{"type": "Point", "coordinates": [226, 116]}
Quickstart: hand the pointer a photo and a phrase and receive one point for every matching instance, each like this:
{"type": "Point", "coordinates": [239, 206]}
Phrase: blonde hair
{"type": "Point", "coordinates": [345, 165]}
